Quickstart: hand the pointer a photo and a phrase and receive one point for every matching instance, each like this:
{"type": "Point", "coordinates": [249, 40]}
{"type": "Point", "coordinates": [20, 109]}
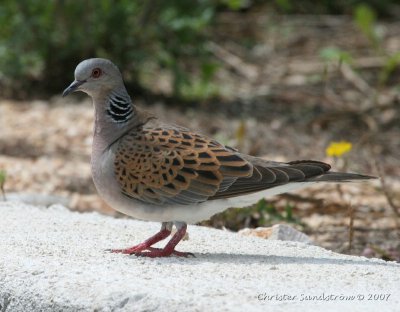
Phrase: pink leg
{"type": "Point", "coordinates": [164, 233]}
{"type": "Point", "coordinates": [169, 249]}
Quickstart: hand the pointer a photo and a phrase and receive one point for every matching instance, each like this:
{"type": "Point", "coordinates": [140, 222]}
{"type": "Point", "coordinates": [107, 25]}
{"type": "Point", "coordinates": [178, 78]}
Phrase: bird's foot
{"type": "Point", "coordinates": [162, 252]}
{"type": "Point", "coordinates": [145, 250]}
{"type": "Point", "coordinates": [164, 233]}
{"type": "Point", "coordinates": [169, 249]}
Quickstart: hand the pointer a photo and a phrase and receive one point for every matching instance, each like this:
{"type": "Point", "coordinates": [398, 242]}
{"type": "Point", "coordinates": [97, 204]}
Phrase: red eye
{"type": "Point", "coordinates": [96, 73]}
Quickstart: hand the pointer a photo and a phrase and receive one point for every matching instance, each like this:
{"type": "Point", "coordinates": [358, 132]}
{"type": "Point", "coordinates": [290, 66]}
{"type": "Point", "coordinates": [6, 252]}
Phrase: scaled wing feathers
{"type": "Point", "coordinates": [175, 166]}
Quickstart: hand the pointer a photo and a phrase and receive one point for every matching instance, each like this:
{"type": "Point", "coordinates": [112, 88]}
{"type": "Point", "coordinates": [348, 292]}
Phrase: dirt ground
{"type": "Point", "coordinates": [279, 100]}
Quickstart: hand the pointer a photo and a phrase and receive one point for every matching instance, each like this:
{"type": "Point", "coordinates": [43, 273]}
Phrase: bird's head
{"type": "Point", "coordinates": [94, 76]}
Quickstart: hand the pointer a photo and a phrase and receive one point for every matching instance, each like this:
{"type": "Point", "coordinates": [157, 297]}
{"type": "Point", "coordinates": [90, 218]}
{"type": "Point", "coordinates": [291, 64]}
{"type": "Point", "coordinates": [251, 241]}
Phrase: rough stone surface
{"type": "Point", "coordinates": [282, 232]}
{"type": "Point", "coordinates": [54, 260]}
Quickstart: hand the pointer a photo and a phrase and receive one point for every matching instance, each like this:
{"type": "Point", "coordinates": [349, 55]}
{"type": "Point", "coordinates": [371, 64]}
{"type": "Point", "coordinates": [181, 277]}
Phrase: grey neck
{"type": "Point", "coordinates": [112, 118]}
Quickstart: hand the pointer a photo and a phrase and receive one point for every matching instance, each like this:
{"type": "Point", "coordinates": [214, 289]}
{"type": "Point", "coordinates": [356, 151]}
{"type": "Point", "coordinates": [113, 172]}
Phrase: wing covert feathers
{"type": "Point", "coordinates": [176, 166]}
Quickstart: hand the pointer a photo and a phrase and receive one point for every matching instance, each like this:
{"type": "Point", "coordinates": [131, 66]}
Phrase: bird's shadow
{"type": "Point", "coordinates": [235, 258]}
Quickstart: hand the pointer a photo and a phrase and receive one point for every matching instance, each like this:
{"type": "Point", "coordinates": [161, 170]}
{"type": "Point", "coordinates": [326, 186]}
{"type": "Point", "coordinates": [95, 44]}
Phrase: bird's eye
{"type": "Point", "coordinates": [96, 73]}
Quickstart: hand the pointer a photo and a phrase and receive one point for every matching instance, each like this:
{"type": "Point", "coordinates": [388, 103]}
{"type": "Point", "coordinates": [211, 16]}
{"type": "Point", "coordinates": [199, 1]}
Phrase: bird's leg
{"type": "Point", "coordinates": [166, 228]}
{"type": "Point", "coordinates": [169, 249]}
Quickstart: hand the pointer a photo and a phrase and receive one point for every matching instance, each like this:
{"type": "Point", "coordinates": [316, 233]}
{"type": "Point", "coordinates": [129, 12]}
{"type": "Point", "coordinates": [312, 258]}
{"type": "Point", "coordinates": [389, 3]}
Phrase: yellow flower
{"type": "Point", "coordinates": [338, 148]}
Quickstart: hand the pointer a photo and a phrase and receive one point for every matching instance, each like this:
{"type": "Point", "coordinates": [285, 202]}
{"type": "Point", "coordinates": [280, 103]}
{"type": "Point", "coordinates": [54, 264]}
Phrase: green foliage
{"type": "Point", "coordinates": [200, 87]}
{"type": "Point", "coordinates": [270, 213]}
{"type": "Point", "coordinates": [42, 41]}
{"type": "Point", "coordinates": [284, 5]}
{"type": "Point", "coordinates": [235, 4]}
{"type": "Point", "coordinates": [392, 62]}
{"type": "Point", "coordinates": [365, 19]}
{"type": "Point", "coordinates": [261, 214]}
{"type": "Point", "coordinates": [335, 54]}
{"type": "Point", "coordinates": [3, 177]}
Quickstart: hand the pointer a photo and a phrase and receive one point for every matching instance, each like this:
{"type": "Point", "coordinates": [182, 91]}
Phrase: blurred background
{"type": "Point", "coordinates": [279, 79]}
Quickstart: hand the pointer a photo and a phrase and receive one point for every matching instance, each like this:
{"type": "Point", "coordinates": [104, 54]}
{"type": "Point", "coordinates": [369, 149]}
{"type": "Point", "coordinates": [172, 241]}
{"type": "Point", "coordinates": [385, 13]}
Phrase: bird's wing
{"type": "Point", "coordinates": [176, 166]}
{"type": "Point", "coordinates": [273, 174]}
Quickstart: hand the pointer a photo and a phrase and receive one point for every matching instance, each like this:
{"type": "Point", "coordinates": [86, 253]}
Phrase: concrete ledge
{"type": "Point", "coordinates": [54, 260]}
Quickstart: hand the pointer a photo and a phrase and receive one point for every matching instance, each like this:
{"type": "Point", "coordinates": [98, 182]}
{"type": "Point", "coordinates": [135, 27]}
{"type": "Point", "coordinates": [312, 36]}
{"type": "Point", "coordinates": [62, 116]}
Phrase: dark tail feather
{"type": "Point", "coordinates": [341, 177]}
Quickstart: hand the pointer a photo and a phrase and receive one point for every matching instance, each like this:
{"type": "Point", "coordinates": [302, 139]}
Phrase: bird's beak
{"type": "Point", "coordinates": [73, 87]}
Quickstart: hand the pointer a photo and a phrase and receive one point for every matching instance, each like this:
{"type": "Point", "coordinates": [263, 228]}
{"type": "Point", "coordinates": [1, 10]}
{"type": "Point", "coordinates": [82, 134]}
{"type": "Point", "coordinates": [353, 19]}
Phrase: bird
{"type": "Point", "coordinates": [161, 172]}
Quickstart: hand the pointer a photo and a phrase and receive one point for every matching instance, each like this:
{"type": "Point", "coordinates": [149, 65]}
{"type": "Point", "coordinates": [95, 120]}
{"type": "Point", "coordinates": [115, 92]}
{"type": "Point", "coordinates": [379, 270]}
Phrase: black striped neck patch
{"type": "Point", "coordinates": [119, 107]}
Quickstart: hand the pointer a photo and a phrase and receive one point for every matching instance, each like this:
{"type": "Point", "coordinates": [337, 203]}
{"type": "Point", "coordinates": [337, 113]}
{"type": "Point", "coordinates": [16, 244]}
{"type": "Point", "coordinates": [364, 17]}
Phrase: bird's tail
{"type": "Point", "coordinates": [341, 177]}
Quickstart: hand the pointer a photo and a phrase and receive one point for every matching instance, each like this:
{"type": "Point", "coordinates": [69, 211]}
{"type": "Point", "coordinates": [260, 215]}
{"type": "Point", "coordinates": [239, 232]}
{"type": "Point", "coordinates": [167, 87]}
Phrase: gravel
{"type": "Point", "coordinates": [52, 259]}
